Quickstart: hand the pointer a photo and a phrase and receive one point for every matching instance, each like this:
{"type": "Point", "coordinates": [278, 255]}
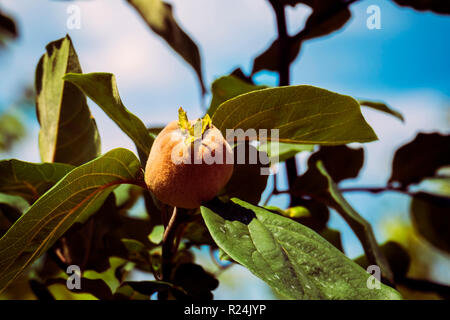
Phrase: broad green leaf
{"type": "Point", "coordinates": [30, 180]}
{"type": "Point", "coordinates": [318, 184]}
{"type": "Point", "coordinates": [80, 193]}
{"type": "Point", "coordinates": [303, 114]}
{"type": "Point", "coordinates": [228, 87]}
{"type": "Point", "coordinates": [68, 131]}
{"type": "Point", "coordinates": [291, 258]}
{"type": "Point", "coordinates": [159, 17]}
{"type": "Point", "coordinates": [381, 106]}
{"type": "Point", "coordinates": [102, 89]}
{"type": "Point", "coordinates": [431, 218]}
{"type": "Point", "coordinates": [420, 158]}
{"type": "Point", "coordinates": [283, 151]}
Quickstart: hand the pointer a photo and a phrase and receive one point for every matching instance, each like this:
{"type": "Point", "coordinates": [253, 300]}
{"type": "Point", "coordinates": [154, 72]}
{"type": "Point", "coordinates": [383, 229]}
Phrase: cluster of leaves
{"type": "Point", "coordinates": [78, 214]}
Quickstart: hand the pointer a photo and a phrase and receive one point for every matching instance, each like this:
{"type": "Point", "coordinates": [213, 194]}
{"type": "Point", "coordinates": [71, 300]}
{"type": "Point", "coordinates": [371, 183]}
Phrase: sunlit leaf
{"type": "Point", "coordinates": [79, 194]}
{"type": "Point", "coordinates": [291, 258]}
{"type": "Point", "coordinates": [303, 114]}
{"type": "Point", "coordinates": [68, 131]}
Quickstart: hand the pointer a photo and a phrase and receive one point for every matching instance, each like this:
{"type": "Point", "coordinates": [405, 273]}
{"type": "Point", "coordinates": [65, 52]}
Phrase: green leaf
{"type": "Point", "coordinates": [292, 259]}
{"type": "Point", "coordinates": [159, 17]}
{"type": "Point", "coordinates": [102, 89]}
{"type": "Point", "coordinates": [30, 180]}
{"type": "Point", "coordinates": [68, 131]}
{"type": "Point", "coordinates": [228, 87]}
{"type": "Point", "coordinates": [431, 218]}
{"type": "Point", "coordinates": [420, 158]}
{"type": "Point", "coordinates": [283, 151]}
{"type": "Point", "coordinates": [318, 184]}
{"type": "Point", "coordinates": [383, 107]}
{"type": "Point", "coordinates": [156, 235]}
{"type": "Point", "coordinates": [303, 114]}
{"type": "Point", "coordinates": [79, 194]}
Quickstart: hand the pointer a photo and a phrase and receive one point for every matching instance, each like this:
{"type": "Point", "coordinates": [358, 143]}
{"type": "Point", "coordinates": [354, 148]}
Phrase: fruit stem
{"type": "Point", "coordinates": [170, 245]}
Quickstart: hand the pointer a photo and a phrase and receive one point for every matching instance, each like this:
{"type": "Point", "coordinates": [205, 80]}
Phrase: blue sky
{"type": "Point", "coordinates": [405, 64]}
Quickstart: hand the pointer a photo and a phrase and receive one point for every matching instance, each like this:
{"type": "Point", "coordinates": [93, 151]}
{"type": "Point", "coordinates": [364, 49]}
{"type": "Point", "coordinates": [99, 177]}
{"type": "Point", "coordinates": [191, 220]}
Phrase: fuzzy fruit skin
{"type": "Point", "coordinates": [187, 185]}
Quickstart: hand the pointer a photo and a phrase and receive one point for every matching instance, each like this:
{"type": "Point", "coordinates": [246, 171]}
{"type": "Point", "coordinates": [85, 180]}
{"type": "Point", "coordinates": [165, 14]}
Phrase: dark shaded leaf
{"type": "Point", "coordinates": [291, 258]}
{"type": "Point", "coordinates": [8, 215]}
{"type": "Point", "coordinates": [30, 180]}
{"type": "Point", "coordinates": [318, 184]}
{"type": "Point", "coordinates": [197, 233]}
{"type": "Point", "coordinates": [74, 198]}
{"type": "Point", "coordinates": [7, 26]}
{"type": "Point", "coordinates": [437, 6]}
{"type": "Point", "coordinates": [383, 107]}
{"type": "Point", "coordinates": [431, 217]}
{"type": "Point", "coordinates": [40, 291]}
{"type": "Point", "coordinates": [247, 182]}
{"type": "Point", "coordinates": [341, 162]}
{"type": "Point", "coordinates": [96, 287]}
{"type": "Point", "coordinates": [396, 255]}
{"type": "Point", "coordinates": [68, 131]}
{"type": "Point", "coordinates": [333, 237]}
{"type": "Point", "coordinates": [327, 17]}
{"type": "Point", "coordinates": [197, 283]}
{"type": "Point", "coordinates": [420, 158]}
{"type": "Point", "coordinates": [303, 114]}
{"type": "Point", "coordinates": [159, 17]}
{"type": "Point", "coordinates": [107, 233]}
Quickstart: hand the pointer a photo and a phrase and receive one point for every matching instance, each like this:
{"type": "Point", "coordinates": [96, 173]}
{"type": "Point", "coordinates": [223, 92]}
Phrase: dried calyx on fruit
{"type": "Point", "coordinates": [189, 163]}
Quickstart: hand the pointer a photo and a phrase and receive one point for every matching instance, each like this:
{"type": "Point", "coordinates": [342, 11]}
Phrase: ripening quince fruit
{"type": "Point", "coordinates": [189, 163]}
